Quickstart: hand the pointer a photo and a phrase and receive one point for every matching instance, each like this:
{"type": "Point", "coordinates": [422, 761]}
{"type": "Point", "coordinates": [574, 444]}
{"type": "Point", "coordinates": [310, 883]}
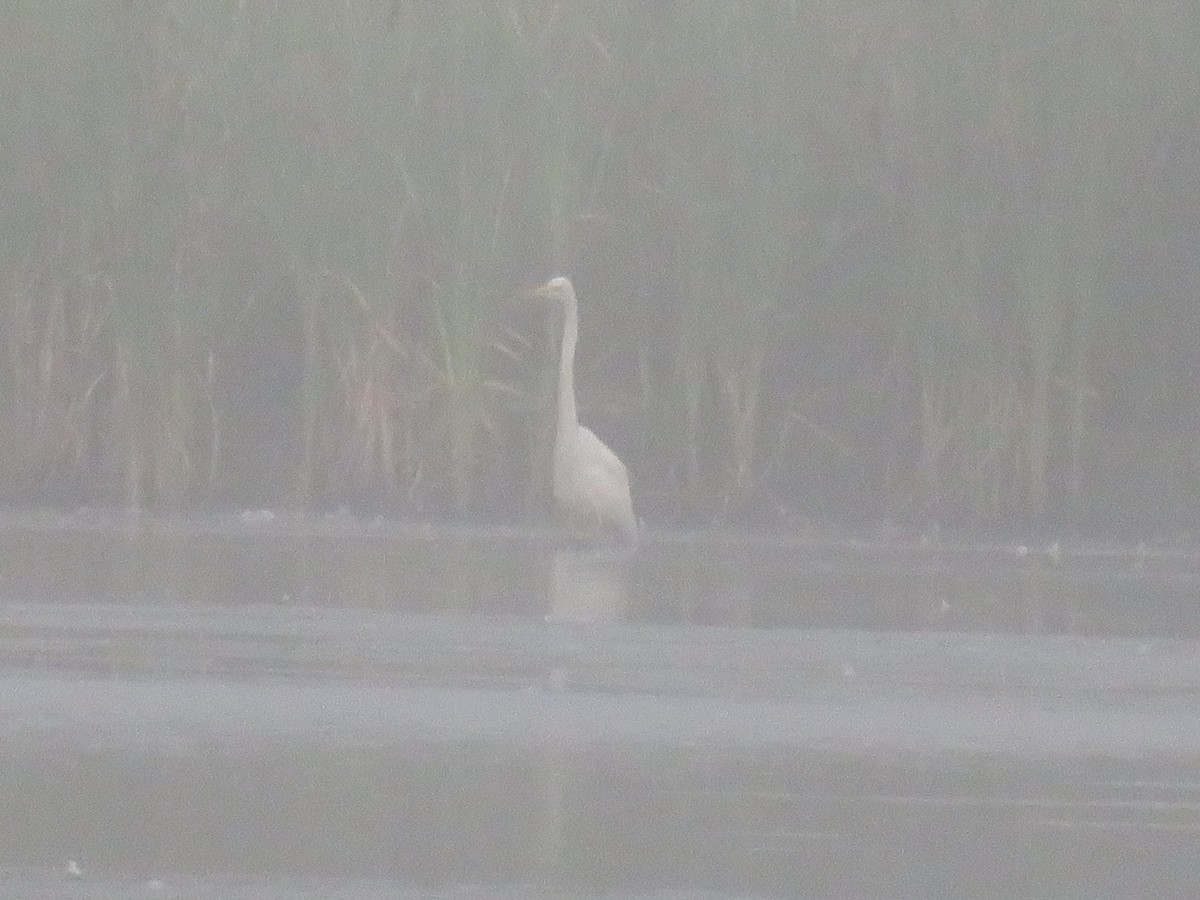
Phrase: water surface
{"type": "Point", "coordinates": [259, 707]}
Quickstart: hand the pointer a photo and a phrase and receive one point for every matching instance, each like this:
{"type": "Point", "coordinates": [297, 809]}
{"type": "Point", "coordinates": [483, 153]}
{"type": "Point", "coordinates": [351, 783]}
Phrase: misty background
{"type": "Point", "coordinates": [920, 261]}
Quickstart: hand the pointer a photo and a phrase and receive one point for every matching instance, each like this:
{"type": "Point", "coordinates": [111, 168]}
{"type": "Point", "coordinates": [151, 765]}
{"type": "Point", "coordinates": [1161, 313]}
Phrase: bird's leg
{"type": "Point", "coordinates": [587, 527]}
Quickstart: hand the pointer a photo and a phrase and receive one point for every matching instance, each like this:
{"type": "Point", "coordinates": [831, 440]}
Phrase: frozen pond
{"type": "Point", "coordinates": [262, 708]}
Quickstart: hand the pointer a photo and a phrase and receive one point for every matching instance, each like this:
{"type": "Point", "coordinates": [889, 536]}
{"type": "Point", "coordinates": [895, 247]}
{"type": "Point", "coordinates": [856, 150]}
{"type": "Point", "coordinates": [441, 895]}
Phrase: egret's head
{"type": "Point", "coordinates": [558, 289]}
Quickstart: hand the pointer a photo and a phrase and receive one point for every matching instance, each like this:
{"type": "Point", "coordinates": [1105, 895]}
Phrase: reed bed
{"type": "Point", "coordinates": [841, 262]}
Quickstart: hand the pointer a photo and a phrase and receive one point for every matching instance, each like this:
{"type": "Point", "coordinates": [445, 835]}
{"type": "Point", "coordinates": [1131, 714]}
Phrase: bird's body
{"type": "Point", "coordinates": [593, 496]}
{"type": "Point", "coordinates": [591, 485]}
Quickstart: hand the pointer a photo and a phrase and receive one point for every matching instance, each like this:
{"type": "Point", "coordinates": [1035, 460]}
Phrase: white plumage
{"type": "Point", "coordinates": [591, 485]}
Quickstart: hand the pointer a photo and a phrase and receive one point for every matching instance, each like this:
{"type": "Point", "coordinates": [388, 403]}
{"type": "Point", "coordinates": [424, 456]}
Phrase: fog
{"type": "Point", "coordinates": [887, 308]}
{"type": "Point", "coordinates": [919, 262]}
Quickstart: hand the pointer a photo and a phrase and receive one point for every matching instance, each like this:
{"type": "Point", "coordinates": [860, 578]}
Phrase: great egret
{"type": "Point", "coordinates": [591, 486]}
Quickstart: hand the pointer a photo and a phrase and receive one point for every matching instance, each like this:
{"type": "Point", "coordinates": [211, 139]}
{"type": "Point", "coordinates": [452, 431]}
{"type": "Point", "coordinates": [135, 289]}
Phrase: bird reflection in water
{"type": "Point", "coordinates": [588, 585]}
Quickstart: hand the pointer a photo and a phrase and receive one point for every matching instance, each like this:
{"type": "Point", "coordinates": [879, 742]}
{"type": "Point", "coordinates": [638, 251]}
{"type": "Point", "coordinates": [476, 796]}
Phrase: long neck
{"type": "Point", "coordinates": [567, 417]}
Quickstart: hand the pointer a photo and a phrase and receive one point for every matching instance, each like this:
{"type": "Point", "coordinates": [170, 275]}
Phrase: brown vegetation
{"type": "Point", "coordinates": [909, 260]}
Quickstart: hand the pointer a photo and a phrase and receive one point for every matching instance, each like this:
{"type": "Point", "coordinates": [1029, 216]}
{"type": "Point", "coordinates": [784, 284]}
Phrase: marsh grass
{"type": "Point", "coordinates": [370, 444]}
{"type": "Point", "coordinates": [52, 379]}
{"type": "Point", "coordinates": [863, 257]}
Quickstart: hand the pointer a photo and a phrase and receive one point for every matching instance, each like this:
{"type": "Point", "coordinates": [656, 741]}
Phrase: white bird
{"type": "Point", "coordinates": [591, 486]}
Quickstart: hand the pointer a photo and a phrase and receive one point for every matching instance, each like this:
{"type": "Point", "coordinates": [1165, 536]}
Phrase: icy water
{"type": "Point", "coordinates": [259, 707]}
